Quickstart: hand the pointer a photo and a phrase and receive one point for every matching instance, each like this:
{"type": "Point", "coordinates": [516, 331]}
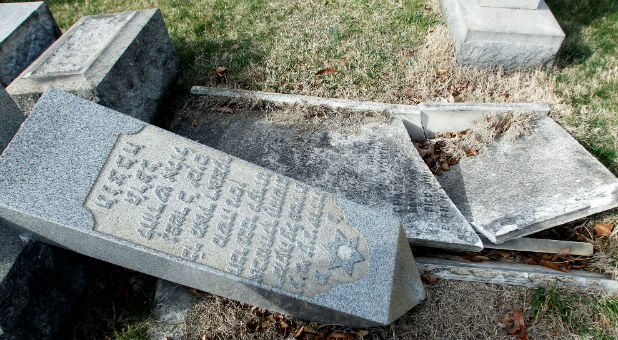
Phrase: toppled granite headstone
{"type": "Point", "coordinates": [521, 4]}
{"type": "Point", "coordinates": [115, 188]}
{"type": "Point", "coordinates": [486, 36]}
{"type": "Point", "coordinates": [377, 167]}
{"type": "Point", "coordinates": [26, 30]}
{"type": "Point", "coordinates": [516, 188]}
{"type": "Point", "coordinates": [125, 61]}
{"type": "Point", "coordinates": [10, 118]}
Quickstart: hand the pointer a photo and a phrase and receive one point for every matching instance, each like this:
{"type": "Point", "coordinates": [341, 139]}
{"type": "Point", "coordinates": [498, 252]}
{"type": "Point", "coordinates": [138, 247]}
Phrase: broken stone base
{"type": "Point", "coordinates": [125, 61]}
{"type": "Point", "coordinates": [172, 305]}
{"type": "Point", "coordinates": [492, 36]}
{"type": "Point", "coordinates": [538, 181]}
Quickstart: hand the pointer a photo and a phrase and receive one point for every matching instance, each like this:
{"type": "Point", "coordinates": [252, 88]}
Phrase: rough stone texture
{"type": "Point", "coordinates": [125, 61]}
{"type": "Point", "coordinates": [37, 294]}
{"type": "Point", "coordinates": [543, 246]}
{"type": "Point", "coordinates": [521, 4]}
{"type": "Point", "coordinates": [513, 189]}
{"type": "Point", "coordinates": [26, 30]}
{"type": "Point", "coordinates": [443, 117]}
{"type": "Point", "coordinates": [513, 274]}
{"type": "Point", "coordinates": [173, 303]}
{"type": "Point", "coordinates": [378, 167]}
{"type": "Point", "coordinates": [489, 36]}
{"type": "Point", "coordinates": [10, 118]}
{"type": "Point", "coordinates": [409, 114]}
{"type": "Point", "coordinates": [198, 217]}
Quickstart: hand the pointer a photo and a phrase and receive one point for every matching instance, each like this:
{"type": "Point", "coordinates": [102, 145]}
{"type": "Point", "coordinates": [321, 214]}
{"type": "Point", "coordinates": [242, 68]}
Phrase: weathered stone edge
{"type": "Point", "coordinates": [411, 115]}
{"type": "Point", "coordinates": [513, 274]}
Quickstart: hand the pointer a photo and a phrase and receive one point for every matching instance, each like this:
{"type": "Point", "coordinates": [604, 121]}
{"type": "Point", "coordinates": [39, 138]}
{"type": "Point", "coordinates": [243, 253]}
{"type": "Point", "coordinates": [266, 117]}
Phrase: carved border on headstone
{"type": "Point", "coordinates": [190, 201]}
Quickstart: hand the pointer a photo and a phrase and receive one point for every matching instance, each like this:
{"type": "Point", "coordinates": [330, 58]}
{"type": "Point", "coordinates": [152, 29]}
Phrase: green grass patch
{"type": "Point", "coordinates": [584, 314]}
{"type": "Point", "coordinates": [588, 75]}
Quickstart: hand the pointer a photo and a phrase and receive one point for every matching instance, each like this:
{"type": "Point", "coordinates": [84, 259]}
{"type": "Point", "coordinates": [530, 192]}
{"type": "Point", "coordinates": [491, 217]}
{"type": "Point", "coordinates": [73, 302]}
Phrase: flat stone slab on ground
{"type": "Point", "coordinates": [377, 167]}
{"type": "Point", "coordinates": [115, 188]}
{"type": "Point", "coordinates": [492, 36]}
{"type": "Point", "coordinates": [11, 118]}
{"type": "Point", "coordinates": [541, 180]}
{"type": "Point", "coordinates": [124, 61]}
{"type": "Point", "coordinates": [26, 30]}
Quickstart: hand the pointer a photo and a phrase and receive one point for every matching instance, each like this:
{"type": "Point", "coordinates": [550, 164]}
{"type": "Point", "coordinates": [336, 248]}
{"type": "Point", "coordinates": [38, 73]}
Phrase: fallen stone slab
{"type": "Point", "coordinates": [377, 167]}
{"type": "Point", "coordinates": [26, 30]}
{"type": "Point", "coordinates": [513, 274]}
{"type": "Point", "coordinates": [542, 246]}
{"type": "Point", "coordinates": [115, 188]}
{"type": "Point", "coordinates": [492, 36]}
{"type": "Point", "coordinates": [443, 117]}
{"type": "Point", "coordinates": [541, 180]}
{"type": "Point", "coordinates": [521, 4]}
{"type": "Point", "coordinates": [10, 118]}
{"type": "Point", "coordinates": [409, 114]}
{"type": "Point", "coordinates": [172, 306]}
{"type": "Point", "coordinates": [125, 61]}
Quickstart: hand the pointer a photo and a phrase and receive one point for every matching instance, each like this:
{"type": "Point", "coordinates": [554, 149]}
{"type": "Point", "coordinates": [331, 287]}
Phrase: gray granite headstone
{"type": "Point", "coordinates": [512, 37]}
{"type": "Point", "coordinates": [520, 4]}
{"type": "Point", "coordinates": [541, 180]}
{"type": "Point", "coordinates": [125, 61]}
{"type": "Point", "coordinates": [115, 188]}
{"type": "Point", "coordinates": [11, 118]}
{"type": "Point", "coordinates": [377, 167]}
{"type": "Point", "coordinates": [26, 30]}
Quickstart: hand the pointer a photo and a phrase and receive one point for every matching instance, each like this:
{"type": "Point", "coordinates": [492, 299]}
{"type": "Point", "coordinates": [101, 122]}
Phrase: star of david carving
{"type": "Point", "coordinates": [333, 250]}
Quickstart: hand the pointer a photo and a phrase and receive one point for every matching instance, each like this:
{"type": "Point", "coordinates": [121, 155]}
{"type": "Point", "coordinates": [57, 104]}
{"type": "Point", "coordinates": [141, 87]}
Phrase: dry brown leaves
{"type": "Point", "coordinates": [560, 261]}
{"type": "Point", "coordinates": [428, 278]}
{"type": "Point", "coordinates": [519, 324]}
{"type": "Point", "coordinates": [603, 229]}
{"type": "Point", "coordinates": [326, 71]}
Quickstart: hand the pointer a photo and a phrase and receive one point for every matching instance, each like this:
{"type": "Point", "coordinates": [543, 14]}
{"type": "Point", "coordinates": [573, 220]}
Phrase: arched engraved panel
{"type": "Point", "coordinates": [172, 195]}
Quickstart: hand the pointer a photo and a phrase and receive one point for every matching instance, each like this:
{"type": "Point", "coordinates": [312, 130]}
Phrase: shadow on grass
{"type": "Point", "coordinates": [574, 16]}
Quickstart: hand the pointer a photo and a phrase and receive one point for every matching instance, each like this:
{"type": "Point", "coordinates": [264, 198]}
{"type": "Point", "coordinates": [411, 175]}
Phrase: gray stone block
{"type": "Point", "coordinates": [26, 30]}
{"type": "Point", "coordinates": [541, 180]}
{"type": "Point", "coordinates": [173, 304]}
{"type": "Point", "coordinates": [378, 167]}
{"type": "Point", "coordinates": [521, 4]}
{"type": "Point", "coordinates": [125, 61]}
{"type": "Point", "coordinates": [491, 36]}
{"type": "Point", "coordinates": [115, 188]}
{"type": "Point", "coordinates": [443, 117]}
{"type": "Point", "coordinates": [11, 118]}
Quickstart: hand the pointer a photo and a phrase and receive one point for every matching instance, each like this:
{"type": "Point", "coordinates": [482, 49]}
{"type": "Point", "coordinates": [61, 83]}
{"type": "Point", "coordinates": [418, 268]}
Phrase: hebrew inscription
{"type": "Point", "coordinates": [191, 201]}
{"type": "Point", "coordinates": [84, 44]}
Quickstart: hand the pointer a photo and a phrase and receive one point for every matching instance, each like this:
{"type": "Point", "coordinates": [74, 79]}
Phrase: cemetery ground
{"type": "Point", "coordinates": [387, 51]}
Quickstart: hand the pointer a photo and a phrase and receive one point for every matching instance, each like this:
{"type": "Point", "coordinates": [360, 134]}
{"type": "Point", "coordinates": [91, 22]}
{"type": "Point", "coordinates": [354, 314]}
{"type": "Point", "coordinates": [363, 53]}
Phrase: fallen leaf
{"type": "Point", "coordinates": [603, 229]}
{"type": "Point", "coordinates": [431, 29]}
{"type": "Point", "coordinates": [339, 335]}
{"type": "Point", "coordinates": [430, 279]}
{"type": "Point", "coordinates": [361, 333]}
{"type": "Point", "coordinates": [328, 71]}
{"type": "Point", "coordinates": [552, 265]}
{"type": "Point", "coordinates": [224, 109]}
{"type": "Point", "coordinates": [299, 331]}
{"type": "Point", "coordinates": [343, 58]}
{"type": "Point", "coordinates": [503, 253]}
{"type": "Point", "coordinates": [520, 326]}
{"type": "Point", "coordinates": [441, 71]}
{"type": "Point", "coordinates": [204, 337]}
{"type": "Point", "coordinates": [221, 71]}
{"type": "Point", "coordinates": [284, 324]}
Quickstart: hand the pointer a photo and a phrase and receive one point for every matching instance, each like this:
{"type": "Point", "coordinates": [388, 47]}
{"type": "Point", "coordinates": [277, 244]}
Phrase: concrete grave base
{"type": "Point", "coordinates": [492, 36]}
{"type": "Point", "coordinates": [26, 30]}
{"type": "Point", "coordinates": [125, 61]}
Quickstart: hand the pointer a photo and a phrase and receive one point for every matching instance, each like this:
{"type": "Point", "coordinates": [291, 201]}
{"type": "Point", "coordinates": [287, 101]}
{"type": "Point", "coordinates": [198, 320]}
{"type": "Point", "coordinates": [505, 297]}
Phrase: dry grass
{"type": "Point", "coordinates": [453, 310]}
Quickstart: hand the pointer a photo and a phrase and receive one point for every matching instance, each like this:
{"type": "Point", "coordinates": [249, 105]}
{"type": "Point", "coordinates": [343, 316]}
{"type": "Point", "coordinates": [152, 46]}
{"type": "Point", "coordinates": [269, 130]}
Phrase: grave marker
{"type": "Point", "coordinates": [125, 61]}
{"type": "Point", "coordinates": [115, 188]}
{"type": "Point", "coordinates": [26, 30]}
